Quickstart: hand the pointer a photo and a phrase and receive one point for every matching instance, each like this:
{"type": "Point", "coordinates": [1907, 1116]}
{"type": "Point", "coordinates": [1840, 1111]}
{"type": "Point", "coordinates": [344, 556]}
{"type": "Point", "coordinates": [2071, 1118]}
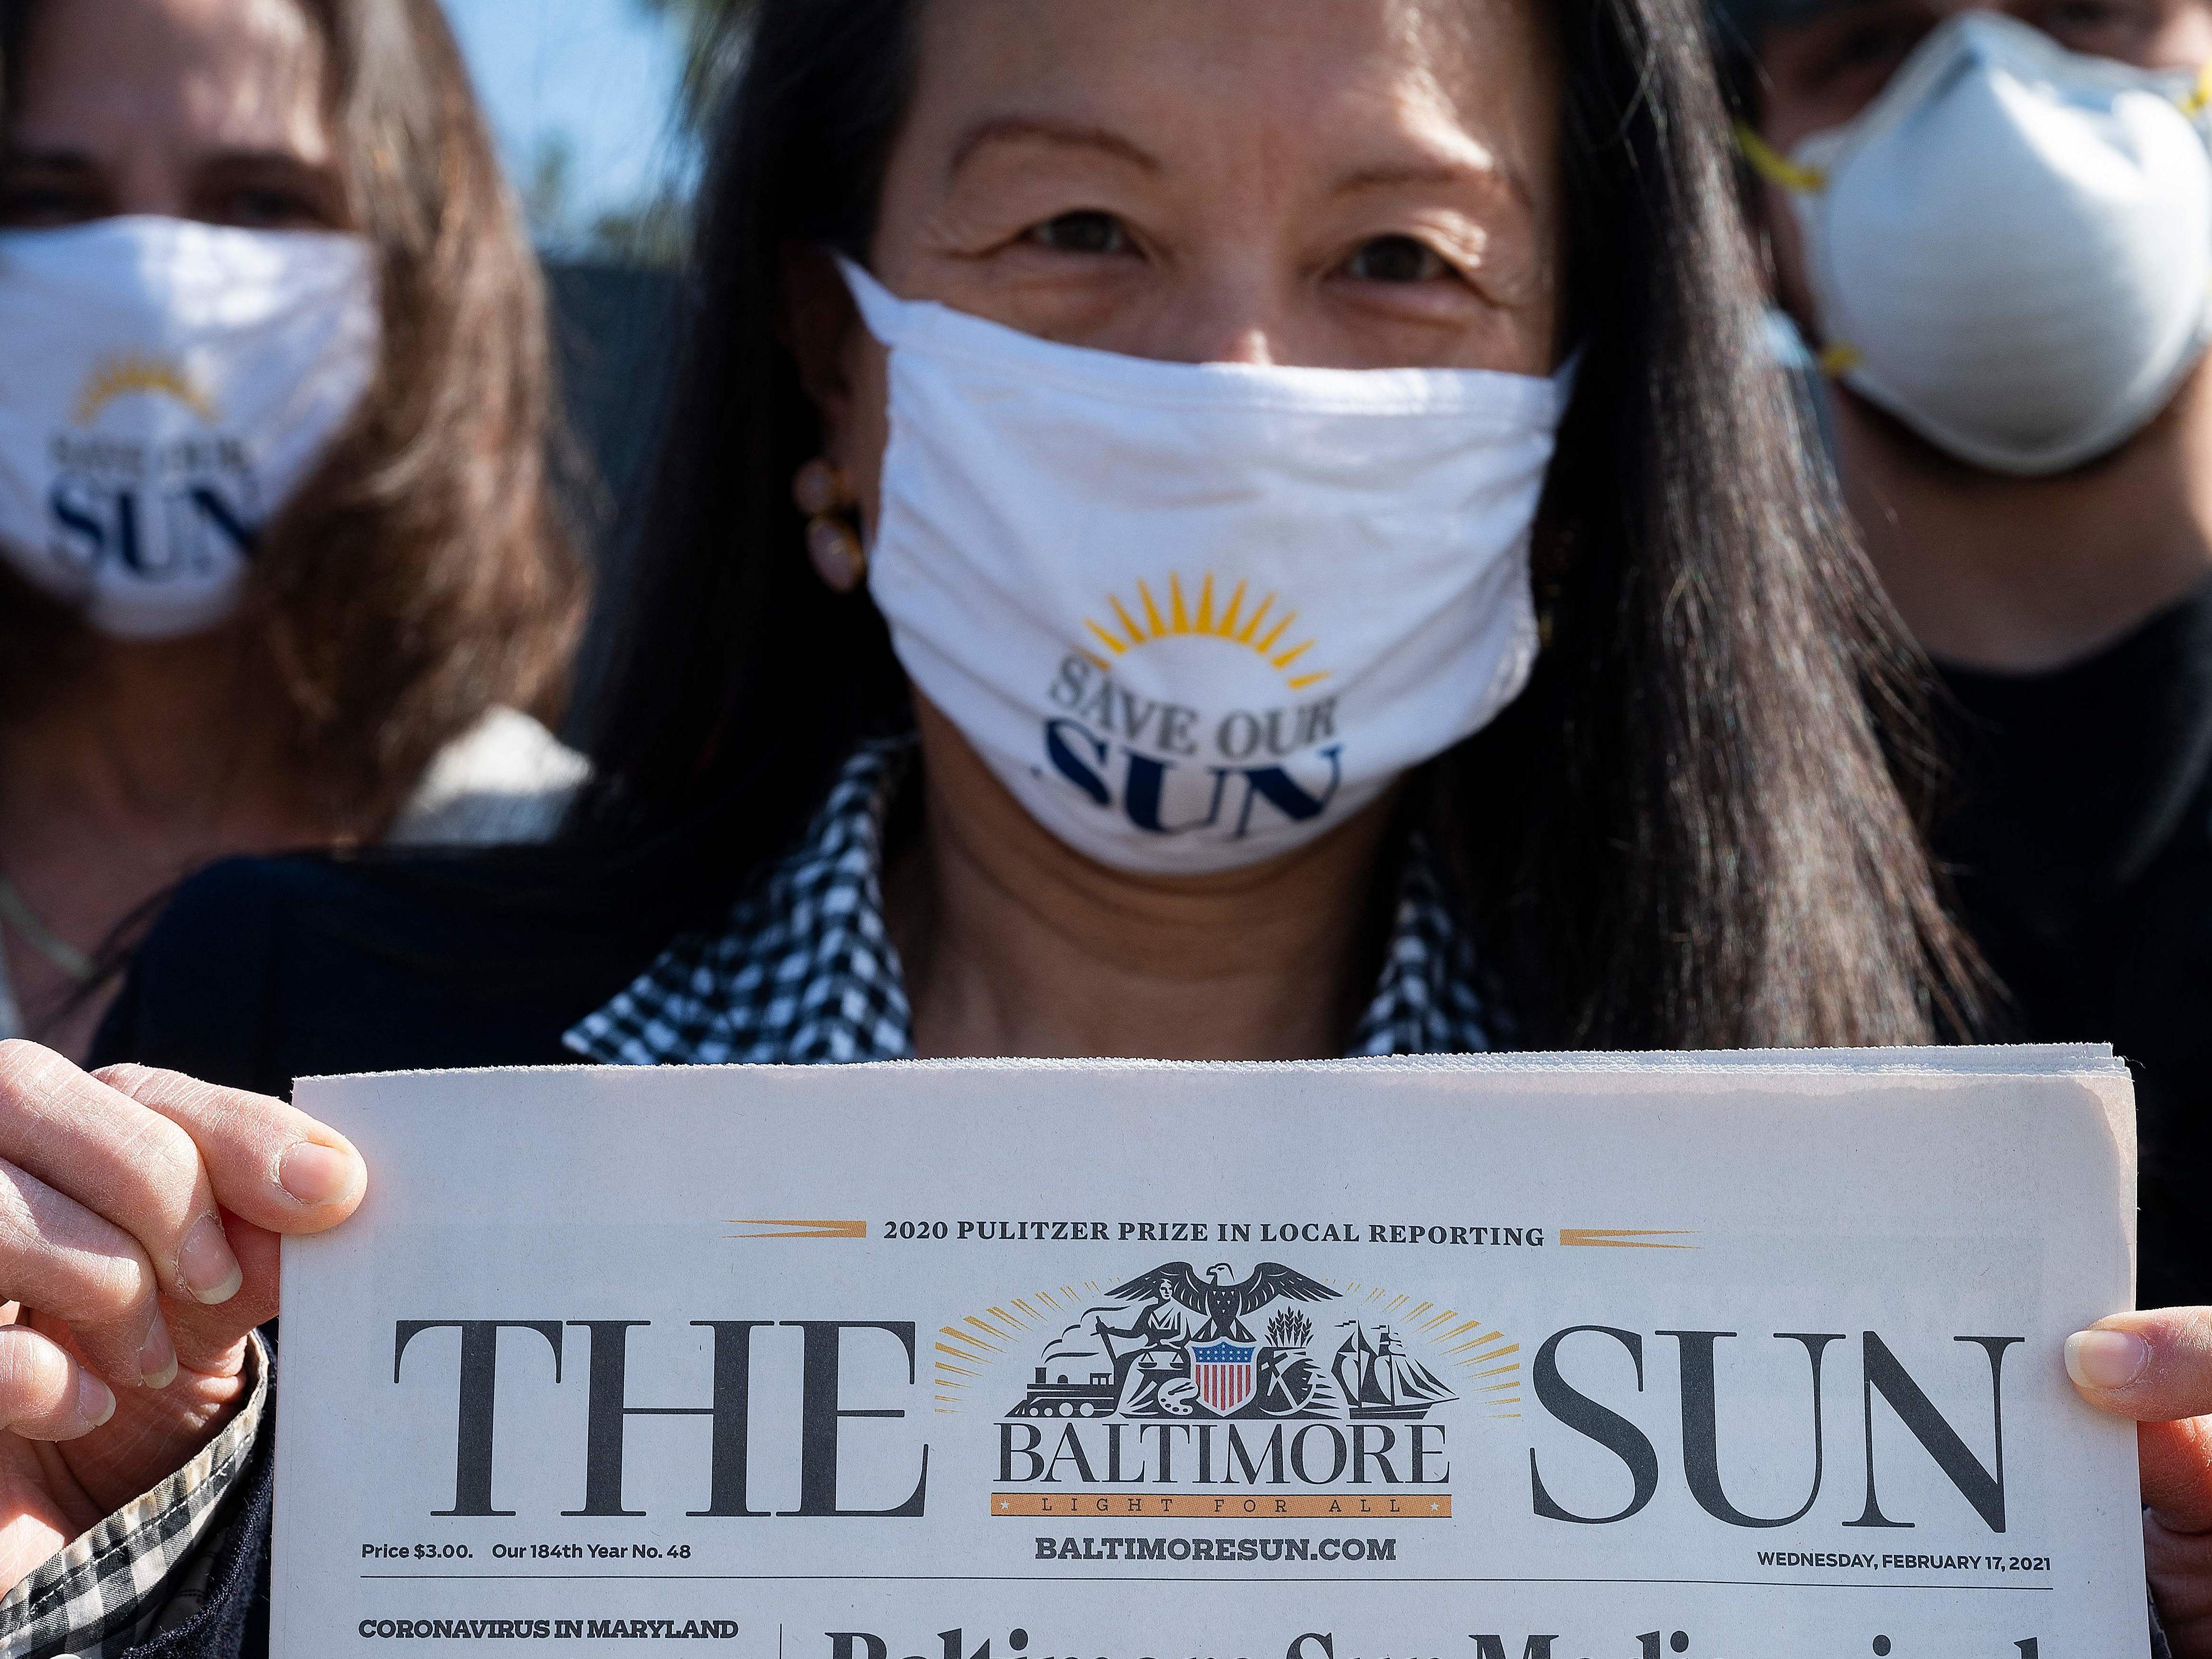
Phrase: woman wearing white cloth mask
{"type": "Point", "coordinates": [275, 536]}
{"type": "Point", "coordinates": [1129, 458]}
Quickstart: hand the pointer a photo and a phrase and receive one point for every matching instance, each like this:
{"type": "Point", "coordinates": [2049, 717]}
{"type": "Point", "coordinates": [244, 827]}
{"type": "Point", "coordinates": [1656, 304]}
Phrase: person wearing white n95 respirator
{"type": "Point", "coordinates": [2010, 249]}
{"type": "Point", "coordinates": [277, 550]}
{"type": "Point", "coordinates": [1994, 228]}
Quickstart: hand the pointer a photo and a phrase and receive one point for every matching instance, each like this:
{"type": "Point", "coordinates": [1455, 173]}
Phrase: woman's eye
{"type": "Point", "coordinates": [1396, 259]}
{"type": "Point", "coordinates": [32, 206]}
{"type": "Point", "coordinates": [2092, 25]}
{"type": "Point", "coordinates": [1879, 45]}
{"type": "Point", "coordinates": [271, 209]}
{"type": "Point", "coordinates": [1084, 232]}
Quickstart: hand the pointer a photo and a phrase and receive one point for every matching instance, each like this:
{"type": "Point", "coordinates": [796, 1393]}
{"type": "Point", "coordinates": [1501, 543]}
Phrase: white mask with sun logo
{"type": "Point", "coordinates": [165, 388]}
{"type": "Point", "coordinates": [1195, 615]}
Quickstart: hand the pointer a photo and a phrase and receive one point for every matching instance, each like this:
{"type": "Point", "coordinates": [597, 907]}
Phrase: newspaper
{"type": "Point", "coordinates": [1731, 1357]}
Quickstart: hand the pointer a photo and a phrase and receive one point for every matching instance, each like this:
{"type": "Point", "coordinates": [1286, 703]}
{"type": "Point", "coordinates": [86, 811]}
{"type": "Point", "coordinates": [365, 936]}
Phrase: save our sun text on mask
{"type": "Point", "coordinates": [1126, 752]}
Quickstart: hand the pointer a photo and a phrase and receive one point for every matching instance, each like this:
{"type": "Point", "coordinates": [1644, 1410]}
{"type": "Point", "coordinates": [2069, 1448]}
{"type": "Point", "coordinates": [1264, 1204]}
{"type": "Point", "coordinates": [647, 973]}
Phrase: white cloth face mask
{"type": "Point", "coordinates": [165, 388]}
{"type": "Point", "coordinates": [2010, 249]}
{"type": "Point", "coordinates": [1194, 616]}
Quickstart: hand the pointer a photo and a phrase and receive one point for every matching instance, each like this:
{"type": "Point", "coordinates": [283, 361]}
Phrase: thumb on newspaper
{"type": "Point", "coordinates": [2155, 1367]}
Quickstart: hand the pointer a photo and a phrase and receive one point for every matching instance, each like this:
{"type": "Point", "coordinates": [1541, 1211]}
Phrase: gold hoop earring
{"type": "Point", "coordinates": [833, 546]}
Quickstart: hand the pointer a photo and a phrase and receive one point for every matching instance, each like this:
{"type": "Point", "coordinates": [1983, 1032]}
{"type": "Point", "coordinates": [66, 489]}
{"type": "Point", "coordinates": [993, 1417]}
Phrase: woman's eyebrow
{"type": "Point", "coordinates": [1484, 170]}
{"type": "Point", "coordinates": [52, 160]}
{"type": "Point", "coordinates": [249, 160]}
{"type": "Point", "coordinates": [1018, 128]}
{"type": "Point", "coordinates": [74, 161]}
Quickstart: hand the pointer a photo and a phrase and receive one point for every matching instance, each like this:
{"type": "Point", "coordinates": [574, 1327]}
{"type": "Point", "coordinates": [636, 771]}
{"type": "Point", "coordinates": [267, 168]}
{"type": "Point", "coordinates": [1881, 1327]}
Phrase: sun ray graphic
{"type": "Point", "coordinates": [963, 1354]}
{"type": "Point", "coordinates": [120, 377]}
{"type": "Point", "coordinates": [1264, 630]}
{"type": "Point", "coordinates": [1487, 1345]}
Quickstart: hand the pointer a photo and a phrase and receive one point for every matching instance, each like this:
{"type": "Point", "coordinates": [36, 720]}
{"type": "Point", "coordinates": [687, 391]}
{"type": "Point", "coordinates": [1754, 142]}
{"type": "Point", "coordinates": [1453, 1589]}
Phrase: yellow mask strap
{"type": "Point", "coordinates": [2200, 99]}
{"type": "Point", "coordinates": [1772, 165]}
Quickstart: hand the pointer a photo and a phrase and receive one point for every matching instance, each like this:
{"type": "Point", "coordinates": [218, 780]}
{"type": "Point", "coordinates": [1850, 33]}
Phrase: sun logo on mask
{"type": "Point", "coordinates": [1260, 631]}
{"type": "Point", "coordinates": [120, 377]}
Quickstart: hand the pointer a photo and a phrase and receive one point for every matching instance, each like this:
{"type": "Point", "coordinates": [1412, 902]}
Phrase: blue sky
{"type": "Point", "coordinates": [599, 72]}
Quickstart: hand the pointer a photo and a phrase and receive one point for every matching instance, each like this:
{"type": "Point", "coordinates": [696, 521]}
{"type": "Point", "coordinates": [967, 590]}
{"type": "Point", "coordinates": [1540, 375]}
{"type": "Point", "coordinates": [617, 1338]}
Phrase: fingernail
{"type": "Point", "coordinates": [157, 1357]}
{"type": "Point", "coordinates": [315, 1174]}
{"type": "Point", "coordinates": [2105, 1360]}
{"type": "Point", "coordinates": [96, 1401]}
{"type": "Point", "coordinates": [206, 1266]}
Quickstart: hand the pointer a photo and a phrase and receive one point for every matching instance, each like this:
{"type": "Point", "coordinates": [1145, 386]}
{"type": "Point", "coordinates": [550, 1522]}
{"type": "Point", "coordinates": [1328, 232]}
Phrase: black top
{"type": "Point", "coordinates": [2081, 846]}
{"type": "Point", "coordinates": [265, 970]}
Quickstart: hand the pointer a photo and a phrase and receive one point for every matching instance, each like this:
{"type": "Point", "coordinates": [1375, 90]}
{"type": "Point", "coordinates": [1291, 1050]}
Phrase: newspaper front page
{"type": "Point", "coordinates": [1737, 1356]}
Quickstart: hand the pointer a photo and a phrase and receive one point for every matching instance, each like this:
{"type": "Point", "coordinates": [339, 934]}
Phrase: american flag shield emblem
{"type": "Point", "coordinates": [1224, 1375]}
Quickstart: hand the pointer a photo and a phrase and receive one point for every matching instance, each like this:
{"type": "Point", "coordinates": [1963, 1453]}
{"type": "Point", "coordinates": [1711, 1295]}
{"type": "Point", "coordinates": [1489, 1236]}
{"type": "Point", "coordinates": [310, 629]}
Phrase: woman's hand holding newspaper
{"type": "Point", "coordinates": [140, 1213]}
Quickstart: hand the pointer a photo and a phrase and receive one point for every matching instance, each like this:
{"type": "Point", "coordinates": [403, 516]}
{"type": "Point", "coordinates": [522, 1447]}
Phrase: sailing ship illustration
{"type": "Point", "coordinates": [1380, 1379]}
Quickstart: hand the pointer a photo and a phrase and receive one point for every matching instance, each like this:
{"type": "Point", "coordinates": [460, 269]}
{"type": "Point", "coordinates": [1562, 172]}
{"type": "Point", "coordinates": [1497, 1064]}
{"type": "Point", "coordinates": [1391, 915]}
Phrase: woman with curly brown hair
{"type": "Point", "coordinates": [279, 559]}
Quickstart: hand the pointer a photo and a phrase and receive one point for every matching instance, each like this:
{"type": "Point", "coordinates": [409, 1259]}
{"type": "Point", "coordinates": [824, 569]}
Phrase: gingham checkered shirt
{"type": "Point", "coordinates": [804, 971]}
{"type": "Point", "coordinates": [801, 973]}
{"type": "Point", "coordinates": [141, 1570]}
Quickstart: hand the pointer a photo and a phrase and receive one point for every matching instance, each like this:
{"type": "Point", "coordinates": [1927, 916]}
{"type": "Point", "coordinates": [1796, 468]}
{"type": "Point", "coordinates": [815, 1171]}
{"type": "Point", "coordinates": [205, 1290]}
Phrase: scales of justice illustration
{"type": "Point", "coordinates": [1183, 1349]}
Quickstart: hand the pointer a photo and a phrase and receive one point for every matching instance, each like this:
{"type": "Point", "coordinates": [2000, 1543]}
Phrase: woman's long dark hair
{"type": "Point", "coordinates": [1686, 832]}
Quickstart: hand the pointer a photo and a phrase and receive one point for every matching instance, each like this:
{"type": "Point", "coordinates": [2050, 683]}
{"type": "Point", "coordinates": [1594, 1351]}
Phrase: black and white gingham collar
{"type": "Point", "coordinates": [803, 972]}
{"type": "Point", "coordinates": [143, 1569]}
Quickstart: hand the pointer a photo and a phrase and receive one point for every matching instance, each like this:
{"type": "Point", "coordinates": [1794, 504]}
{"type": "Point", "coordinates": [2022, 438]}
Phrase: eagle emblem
{"type": "Point", "coordinates": [1175, 1343]}
{"type": "Point", "coordinates": [1223, 1302]}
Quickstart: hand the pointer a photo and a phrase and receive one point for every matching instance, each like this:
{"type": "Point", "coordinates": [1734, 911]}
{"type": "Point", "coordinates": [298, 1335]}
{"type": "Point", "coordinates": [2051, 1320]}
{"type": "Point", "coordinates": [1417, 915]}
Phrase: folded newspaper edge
{"type": "Point", "coordinates": [2019, 1059]}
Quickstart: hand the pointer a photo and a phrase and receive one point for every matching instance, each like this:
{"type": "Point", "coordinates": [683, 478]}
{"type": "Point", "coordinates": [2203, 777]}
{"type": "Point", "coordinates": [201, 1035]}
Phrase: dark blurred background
{"type": "Point", "coordinates": [598, 105]}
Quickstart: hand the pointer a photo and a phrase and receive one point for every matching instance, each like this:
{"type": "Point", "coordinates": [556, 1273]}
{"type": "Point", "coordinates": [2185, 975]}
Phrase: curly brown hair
{"type": "Point", "coordinates": [428, 569]}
